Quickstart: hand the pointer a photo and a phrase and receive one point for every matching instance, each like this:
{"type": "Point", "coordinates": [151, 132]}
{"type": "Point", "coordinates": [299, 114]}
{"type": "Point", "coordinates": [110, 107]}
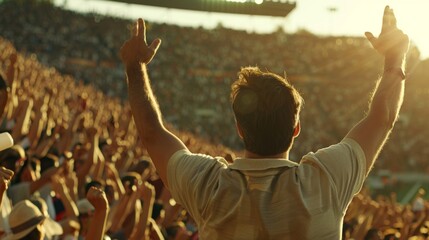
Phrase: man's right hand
{"type": "Point", "coordinates": [373, 130]}
{"type": "Point", "coordinates": [136, 50]}
{"type": "Point", "coordinates": [392, 42]}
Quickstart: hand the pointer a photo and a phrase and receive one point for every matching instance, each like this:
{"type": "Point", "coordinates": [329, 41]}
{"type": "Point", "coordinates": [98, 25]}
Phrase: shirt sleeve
{"type": "Point", "coordinates": [192, 179]}
{"type": "Point", "coordinates": [345, 165]}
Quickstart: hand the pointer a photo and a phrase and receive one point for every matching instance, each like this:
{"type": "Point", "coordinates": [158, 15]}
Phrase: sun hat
{"type": "Point", "coordinates": [51, 227]}
{"type": "Point", "coordinates": [23, 219]}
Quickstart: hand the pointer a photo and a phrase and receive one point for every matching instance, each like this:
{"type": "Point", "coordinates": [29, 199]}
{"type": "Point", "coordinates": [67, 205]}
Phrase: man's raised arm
{"type": "Point", "coordinates": [159, 142]}
{"type": "Point", "coordinates": [372, 131]}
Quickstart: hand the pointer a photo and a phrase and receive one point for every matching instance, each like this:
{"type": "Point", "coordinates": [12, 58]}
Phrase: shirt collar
{"type": "Point", "coordinates": [249, 164]}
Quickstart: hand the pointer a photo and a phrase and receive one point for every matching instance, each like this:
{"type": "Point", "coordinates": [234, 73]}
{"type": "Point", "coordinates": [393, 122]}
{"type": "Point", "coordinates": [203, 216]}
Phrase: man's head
{"type": "Point", "coordinates": [266, 108]}
{"type": "Point", "coordinates": [13, 158]}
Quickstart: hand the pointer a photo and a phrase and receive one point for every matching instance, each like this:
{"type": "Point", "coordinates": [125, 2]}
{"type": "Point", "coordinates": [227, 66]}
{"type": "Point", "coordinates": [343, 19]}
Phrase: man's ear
{"type": "Point", "coordinates": [239, 130]}
{"type": "Point", "coordinates": [297, 130]}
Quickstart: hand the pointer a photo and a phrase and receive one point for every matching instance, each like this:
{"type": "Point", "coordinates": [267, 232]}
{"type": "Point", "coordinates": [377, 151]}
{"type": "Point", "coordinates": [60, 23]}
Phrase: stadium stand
{"type": "Point", "coordinates": [87, 50]}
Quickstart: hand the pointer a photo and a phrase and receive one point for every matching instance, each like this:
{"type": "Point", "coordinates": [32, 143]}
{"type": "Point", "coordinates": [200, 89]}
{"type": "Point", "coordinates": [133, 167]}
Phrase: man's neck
{"type": "Point", "coordinates": [284, 155]}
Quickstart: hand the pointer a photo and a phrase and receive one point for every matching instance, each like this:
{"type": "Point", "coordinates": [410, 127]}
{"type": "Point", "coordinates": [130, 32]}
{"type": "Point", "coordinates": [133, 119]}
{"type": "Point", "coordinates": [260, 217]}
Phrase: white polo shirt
{"type": "Point", "coordinates": [269, 198]}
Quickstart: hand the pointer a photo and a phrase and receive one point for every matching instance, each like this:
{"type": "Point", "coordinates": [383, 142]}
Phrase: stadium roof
{"type": "Point", "coordinates": [279, 8]}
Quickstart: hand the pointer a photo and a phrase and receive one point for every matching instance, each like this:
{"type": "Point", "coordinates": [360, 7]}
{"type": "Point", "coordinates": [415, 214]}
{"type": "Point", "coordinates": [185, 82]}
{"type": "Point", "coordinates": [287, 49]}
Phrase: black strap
{"type": "Point", "coordinates": [26, 225]}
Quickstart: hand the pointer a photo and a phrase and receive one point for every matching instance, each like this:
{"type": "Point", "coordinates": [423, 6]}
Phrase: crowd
{"type": "Point", "coordinates": [77, 148]}
{"type": "Point", "coordinates": [384, 218]}
{"type": "Point", "coordinates": [77, 157]}
{"type": "Point", "coordinates": [188, 72]}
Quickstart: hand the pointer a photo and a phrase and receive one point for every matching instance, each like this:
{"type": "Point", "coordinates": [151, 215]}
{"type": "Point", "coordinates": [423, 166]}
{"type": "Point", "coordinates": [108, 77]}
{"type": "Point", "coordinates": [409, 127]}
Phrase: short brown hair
{"type": "Point", "coordinates": [266, 107]}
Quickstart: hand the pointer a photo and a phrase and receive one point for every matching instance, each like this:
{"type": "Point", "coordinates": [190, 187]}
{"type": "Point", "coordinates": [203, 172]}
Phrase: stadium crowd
{"type": "Point", "coordinates": [77, 154]}
{"type": "Point", "coordinates": [87, 48]}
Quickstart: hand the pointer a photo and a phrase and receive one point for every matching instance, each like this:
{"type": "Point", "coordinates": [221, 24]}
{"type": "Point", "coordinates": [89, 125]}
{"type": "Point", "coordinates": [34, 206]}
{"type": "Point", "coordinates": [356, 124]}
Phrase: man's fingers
{"type": "Point", "coordinates": [386, 19]}
{"type": "Point", "coordinates": [389, 20]}
{"type": "Point", "coordinates": [370, 38]}
{"type": "Point", "coordinates": [392, 18]}
{"type": "Point", "coordinates": [386, 15]}
{"type": "Point", "coordinates": [141, 29]}
{"type": "Point", "coordinates": [136, 48]}
{"type": "Point", "coordinates": [155, 45]}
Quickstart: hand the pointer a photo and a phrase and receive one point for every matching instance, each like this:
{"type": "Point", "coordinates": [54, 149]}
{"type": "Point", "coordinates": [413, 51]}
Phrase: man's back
{"type": "Point", "coordinates": [266, 109]}
{"type": "Point", "coordinates": [269, 198]}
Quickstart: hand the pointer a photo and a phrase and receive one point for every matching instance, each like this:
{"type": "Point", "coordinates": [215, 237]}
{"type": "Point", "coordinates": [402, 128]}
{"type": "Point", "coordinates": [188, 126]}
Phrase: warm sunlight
{"type": "Point", "coordinates": [332, 17]}
{"type": "Point", "coordinates": [414, 17]}
{"type": "Point", "coordinates": [214, 119]}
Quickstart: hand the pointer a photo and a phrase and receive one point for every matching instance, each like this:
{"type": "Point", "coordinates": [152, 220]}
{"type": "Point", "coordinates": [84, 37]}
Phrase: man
{"type": "Point", "coordinates": [264, 195]}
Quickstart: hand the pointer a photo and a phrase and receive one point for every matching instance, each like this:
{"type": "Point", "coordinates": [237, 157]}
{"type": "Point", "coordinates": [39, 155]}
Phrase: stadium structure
{"type": "Point", "coordinates": [278, 8]}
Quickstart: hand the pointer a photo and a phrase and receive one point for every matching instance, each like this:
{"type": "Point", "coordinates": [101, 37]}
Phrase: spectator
{"type": "Point", "coordinates": [26, 222]}
{"type": "Point", "coordinates": [98, 199]}
{"type": "Point", "coordinates": [51, 228]}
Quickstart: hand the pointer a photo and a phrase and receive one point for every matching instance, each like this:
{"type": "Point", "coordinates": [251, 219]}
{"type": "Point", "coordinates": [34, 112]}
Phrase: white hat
{"type": "Point", "coordinates": [51, 227]}
{"type": "Point", "coordinates": [23, 219]}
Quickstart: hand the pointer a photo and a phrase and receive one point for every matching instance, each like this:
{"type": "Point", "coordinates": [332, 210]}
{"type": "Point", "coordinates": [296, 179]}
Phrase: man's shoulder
{"type": "Point", "coordinates": [184, 164]}
{"type": "Point", "coordinates": [184, 155]}
{"type": "Point", "coordinates": [346, 149]}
